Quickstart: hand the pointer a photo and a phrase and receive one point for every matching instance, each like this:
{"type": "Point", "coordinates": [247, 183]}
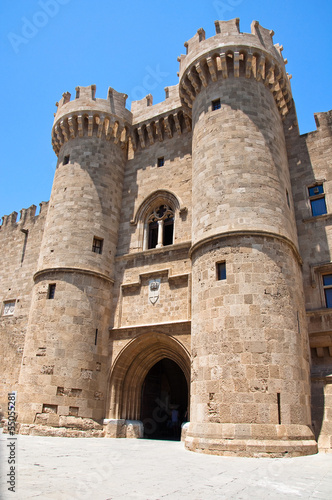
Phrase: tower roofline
{"type": "Point", "coordinates": [86, 101]}
{"type": "Point", "coordinates": [230, 53]}
{"type": "Point", "coordinates": [228, 33]}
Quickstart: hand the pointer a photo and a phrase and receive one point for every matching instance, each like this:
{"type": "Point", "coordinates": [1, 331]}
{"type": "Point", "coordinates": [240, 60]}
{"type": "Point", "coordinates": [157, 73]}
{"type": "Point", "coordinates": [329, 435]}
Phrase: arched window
{"type": "Point", "coordinates": [157, 219]}
{"type": "Point", "coordinates": [159, 227]}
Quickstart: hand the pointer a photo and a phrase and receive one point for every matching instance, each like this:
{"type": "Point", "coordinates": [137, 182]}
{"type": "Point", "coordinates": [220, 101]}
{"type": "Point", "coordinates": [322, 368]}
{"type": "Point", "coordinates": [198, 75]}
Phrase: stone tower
{"type": "Point", "coordinates": [250, 390]}
{"type": "Point", "coordinates": [66, 348]}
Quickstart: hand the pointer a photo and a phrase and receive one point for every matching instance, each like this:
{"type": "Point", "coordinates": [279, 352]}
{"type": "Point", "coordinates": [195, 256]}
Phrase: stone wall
{"type": "Point", "coordinates": [19, 249]}
{"type": "Point", "coordinates": [143, 178]}
{"type": "Point", "coordinates": [310, 162]}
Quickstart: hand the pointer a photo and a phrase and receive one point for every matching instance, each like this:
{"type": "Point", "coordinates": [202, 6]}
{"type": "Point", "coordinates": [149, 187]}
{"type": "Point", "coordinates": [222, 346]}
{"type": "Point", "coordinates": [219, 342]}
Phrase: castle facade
{"type": "Point", "coordinates": [181, 271]}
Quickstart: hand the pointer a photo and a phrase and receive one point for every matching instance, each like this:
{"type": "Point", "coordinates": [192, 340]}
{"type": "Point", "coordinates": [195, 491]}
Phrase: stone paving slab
{"type": "Point", "coordinates": [102, 469]}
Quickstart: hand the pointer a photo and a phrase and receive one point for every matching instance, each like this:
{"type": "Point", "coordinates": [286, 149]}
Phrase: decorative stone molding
{"type": "Point", "coordinates": [159, 128]}
{"type": "Point", "coordinates": [263, 234]}
{"type": "Point", "coordinates": [38, 274]}
{"type": "Point", "coordinates": [161, 196]}
{"type": "Point", "coordinates": [233, 62]}
{"type": "Point", "coordinates": [156, 272]}
{"type": "Point", "coordinates": [89, 124]}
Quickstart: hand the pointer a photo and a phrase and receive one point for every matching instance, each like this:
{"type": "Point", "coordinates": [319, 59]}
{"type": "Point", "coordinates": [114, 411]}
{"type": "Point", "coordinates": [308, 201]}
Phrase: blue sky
{"type": "Point", "coordinates": [50, 46]}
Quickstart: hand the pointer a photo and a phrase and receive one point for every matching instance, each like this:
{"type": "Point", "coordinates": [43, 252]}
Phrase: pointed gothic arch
{"type": "Point", "coordinates": [162, 202]}
{"type": "Point", "coordinates": [132, 366]}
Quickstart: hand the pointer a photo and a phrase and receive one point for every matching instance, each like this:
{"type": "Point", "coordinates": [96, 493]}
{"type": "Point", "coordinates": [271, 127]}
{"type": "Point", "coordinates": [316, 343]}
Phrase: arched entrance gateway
{"type": "Point", "coordinates": [150, 382]}
{"type": "Point", "coordinates": [164, 403]}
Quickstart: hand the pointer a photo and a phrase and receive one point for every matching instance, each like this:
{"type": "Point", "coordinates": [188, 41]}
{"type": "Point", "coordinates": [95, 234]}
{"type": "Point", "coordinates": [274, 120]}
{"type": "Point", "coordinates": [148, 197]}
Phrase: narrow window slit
{"type": "Point", "coordinates": [216, 104]}
{"type": "Point", "coordinates": [221, 271]}
{"type": "Point", "coordinates": [25, 232]}
{"type": "Point", "coordinates": [51, 291]}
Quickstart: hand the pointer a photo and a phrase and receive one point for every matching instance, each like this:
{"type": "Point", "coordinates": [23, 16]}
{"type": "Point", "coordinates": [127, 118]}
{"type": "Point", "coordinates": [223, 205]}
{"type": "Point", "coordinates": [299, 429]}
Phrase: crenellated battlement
{"type": "Point", "coordinates": [26, 215]}
{"type": "Point", "coordinates": [89, 116]}
{"type": "Point", "coordinates": [324, 120]}
{"type": "Point", "coordinates": [144, 109]}
{"type": "Point", "coordinates": [155, 122]}
{"type": "Point", "coordinates": [230, 53]}
{"type": "Point", "coordinates": [85, 99]}
{"type": "Point", "coordinates": [228, 33]}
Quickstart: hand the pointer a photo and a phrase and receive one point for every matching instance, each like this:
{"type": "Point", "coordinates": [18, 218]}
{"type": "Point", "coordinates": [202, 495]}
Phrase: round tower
{"type": "Point", "coordinates": [250, 392]}
{"type": "Point", "coordinates": [63, 377]}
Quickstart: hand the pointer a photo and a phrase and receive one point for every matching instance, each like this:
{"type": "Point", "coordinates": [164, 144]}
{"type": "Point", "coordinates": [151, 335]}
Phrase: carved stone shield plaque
{"type": "Point", "coordinates": [154, 290]}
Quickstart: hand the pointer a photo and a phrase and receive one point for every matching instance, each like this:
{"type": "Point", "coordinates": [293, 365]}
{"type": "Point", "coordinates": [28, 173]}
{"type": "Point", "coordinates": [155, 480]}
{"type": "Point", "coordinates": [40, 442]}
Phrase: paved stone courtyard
{"type": "Point", "coordinates": [101, 469]}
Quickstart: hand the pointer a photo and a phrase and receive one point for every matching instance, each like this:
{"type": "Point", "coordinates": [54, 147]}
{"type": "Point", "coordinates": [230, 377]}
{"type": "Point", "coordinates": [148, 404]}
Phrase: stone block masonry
{"type": "Point", "coordinates": [181, 272]}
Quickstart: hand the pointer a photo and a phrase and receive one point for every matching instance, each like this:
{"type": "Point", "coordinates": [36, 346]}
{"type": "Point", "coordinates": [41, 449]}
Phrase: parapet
{"type": "Point", "coordinates": [144, 109]}
{"type": "Point", "coordinates": [85, 100]}
{"type": "Point", "coordinates": [26, 215]}
{"type": "Point", "coordinates": [156, 122]}
{"type": "Point", "coordinates": [324, 120]}
{"type": "Point", "coordinates": [232, 53]}
{"type": "Point", "coordinates": [227, 34]}
{"type": "Point", "coordinates": [88, 116]}
{"type": "Point", "coordinates": [228, 53]}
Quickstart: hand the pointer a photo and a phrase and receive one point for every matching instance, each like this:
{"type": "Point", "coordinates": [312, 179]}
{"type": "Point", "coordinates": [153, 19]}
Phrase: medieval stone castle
{"type": "Point", "coordinates": [181, 271]}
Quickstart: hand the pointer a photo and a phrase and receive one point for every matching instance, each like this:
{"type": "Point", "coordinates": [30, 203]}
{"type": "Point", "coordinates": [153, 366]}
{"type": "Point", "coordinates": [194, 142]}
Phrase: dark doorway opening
{"type": "Point", "coordinates": [164, 404]}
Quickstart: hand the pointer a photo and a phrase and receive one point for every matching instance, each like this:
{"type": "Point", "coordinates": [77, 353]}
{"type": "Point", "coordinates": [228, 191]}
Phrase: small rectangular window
{"type": "Point", "coordinates": [66, 160]}
{"type": "Point", "coordinates": [221, 271]}
{"type": "Point", "coordinates": [327, 284]}
{"type": "Point", "coordinates": [51, 291]}
{"type": "Point", "coordinates": [97, 245]}
{"type": "Point", "coordinates": [317, 200]}
{"type": "Point", "coordinates": [216, 104]}
{"type": "Point", "coordinates": [161, 162]}
{"type": "Point", "coordinates": [8, 308]}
